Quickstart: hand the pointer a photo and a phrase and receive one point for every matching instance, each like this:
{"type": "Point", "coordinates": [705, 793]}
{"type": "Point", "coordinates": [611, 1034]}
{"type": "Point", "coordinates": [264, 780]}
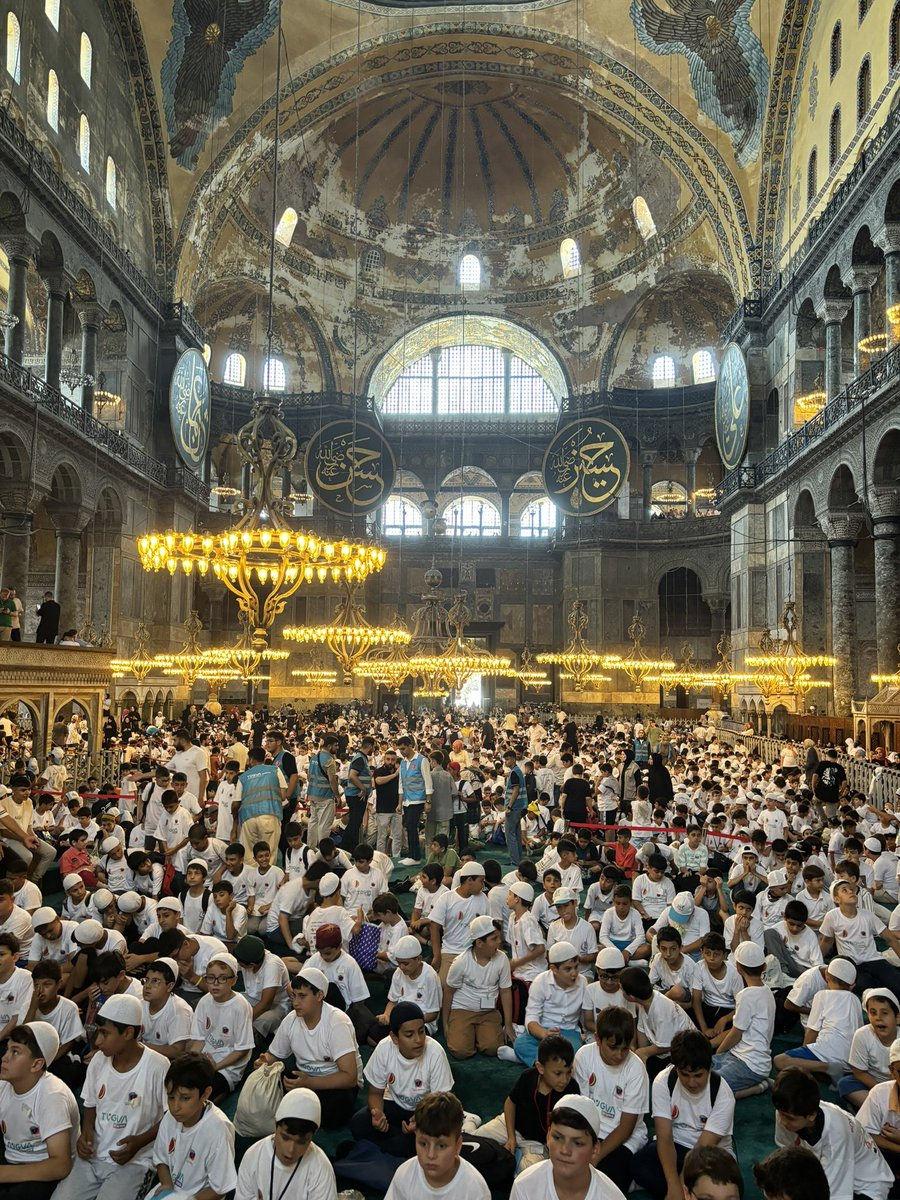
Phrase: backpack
{"type": "Point", "coordinates": [493, 1161]}
{"type": "Point", "coordinates": [715, 1081]}
{"type": "Point", "coordinates": [366, 1164]}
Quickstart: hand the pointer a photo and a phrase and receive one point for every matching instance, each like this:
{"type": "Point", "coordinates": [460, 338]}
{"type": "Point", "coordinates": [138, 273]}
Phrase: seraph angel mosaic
{"type": "Point", "coordinates": [211, 40]}
{"type": "Point", "coordinates": [728, 67]}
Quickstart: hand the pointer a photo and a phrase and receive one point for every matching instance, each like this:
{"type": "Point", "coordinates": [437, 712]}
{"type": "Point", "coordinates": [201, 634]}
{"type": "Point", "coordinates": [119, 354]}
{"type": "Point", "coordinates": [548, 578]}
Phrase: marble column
{"type": "Point", "coordinates": [103, 607]}
{"type": "Point", "coordinates": [16, 526]}
{"type": "Point", "coordinates": [53, 345]}
{"type": "Point", "coordinates": [19, 251]}
{"type": "Point", "coordinates": [690, 464]}
{"type": "Point", "coordinates": [647, 462]}
{"type": "Point", "coordinates": [68, 521]}
{"type": "Point", "coordinates": [504, 514]}
{"type": "Point", "coordinates": [884, 503]}
{"type": "Point", "coordinates": [842, 531]}
{"type": "Point", "coordinates": [888, 238]}
{"type": "Point", "coordinates": [90, 316]}
{"type": "Point", "coordinates": [832, 313]}
{"type": "Point", "coordinates": [864, 279]}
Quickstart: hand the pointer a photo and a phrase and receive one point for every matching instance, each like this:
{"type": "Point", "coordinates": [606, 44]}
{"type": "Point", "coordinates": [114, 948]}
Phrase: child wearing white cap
{"type": "Point", "coordinates": [415, 981]}
{"type": "Point", "coordinates": [555, 1002]}
{"type": "Point", "coordinates": [880, 1112]}
{"type": "Point", "coordinates": [570, 927]}
{"type": "Point", "coordinates": [112, 867]}
{"type": "Point", "coordinates": [222, 1028]}
{"type": "Point", "coordinates": [331, 911]}
{"type": "Point", "coordinates": [474, 981]}
{"type": "Point", "coordinates": [53, 938]}
{"type": "Point", "coordinates": [77, 901]}
{"type": "Point", "coordinates": [287, 1164]}
{"type": "Point", "coordinates": [194, 1149]}
{"type": "Point", "coordinates": [569, 1171]}
{"type": "Point", "coordinates": [834, 1016]}
{"type": "Point", "coordinates": [528, 949]}
{"type": "Point", "coordinates": [15, 920]}
{"type": "Point", "coordinates": [451, 915]}
{"type": "Point", "coordinates": [869, 1058]}
{"type": "Point", "coordinates": [39, 1115]}
{"type": "Point", "coordinates": [744, 1052]}
{"type": "Point", "coordinates": [124, 1100]}
{"type": "Point", "coordinates": [691, 921]}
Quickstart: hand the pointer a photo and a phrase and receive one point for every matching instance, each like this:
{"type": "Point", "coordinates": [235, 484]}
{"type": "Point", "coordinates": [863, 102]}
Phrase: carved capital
{"type": "Point", "coordinates": [864, 277]}
{"type": "Point", "coordinates": [648, 458]}
{"type": "Point", "coordinates": [888, 237]}
{"type": "Point", "coordinates": [884, 505]}
{"type": "Point", "coordinates": [18, 498]}
{"type": "Point", "coordinates": [57, 281]}
{"type": "Point", "coordinates": [67, 517]}
{"type": "Point", "coordinates": [21, 246]}
{"type": "Point", "coordinates": [842, 529]}
{"type": "Point", "coordinates": [90, 314]}
{"type": "Point", "coordinates": [833, 309]}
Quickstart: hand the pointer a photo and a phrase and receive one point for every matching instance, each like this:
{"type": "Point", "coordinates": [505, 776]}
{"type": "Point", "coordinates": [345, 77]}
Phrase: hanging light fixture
{"type": "Point", "coordinates": [244, 658]}
{"type": "Point", "coordinates": [785, 658]}
{"type": "Point", "coordinates": [637, 666]}
{"type": "Point", "coordinates": [139, 664]}
{"type": "Point", "coordinates": [388, 666]}
{"type": "Point", "coordinates": [190, 660]}
{"type": "Point", "coordinates": [349, 636]}
{"type": "Point", "coordinates": [463, 659]}
{"type": "Point", "coordinates": [316, 676]}
{"type": "Point", "coordinates": [71, 374]}
{"type": "Point", "coordinates": [429, 640]}
{"type": "Point", "coordinates": [529, 673]}
{"type": "Point", "coordinates": [684, 674]}
{"type": "Point", "coordinates": [578, 658]}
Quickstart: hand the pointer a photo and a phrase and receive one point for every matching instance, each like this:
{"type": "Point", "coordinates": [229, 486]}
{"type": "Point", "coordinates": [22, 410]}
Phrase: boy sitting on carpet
{"type": "Point", "coordinates": [437, 1171]}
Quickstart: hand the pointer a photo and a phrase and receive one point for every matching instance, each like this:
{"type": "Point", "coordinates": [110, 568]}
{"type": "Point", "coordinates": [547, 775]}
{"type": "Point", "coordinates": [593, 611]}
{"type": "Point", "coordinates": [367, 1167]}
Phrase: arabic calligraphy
{"type": "Point", "coordinates": [350, 467]}
{"type": "Point", "coordinates": [732, 407]}
{"type": "Point", "coordinates": [189, 409]}
{"type": "Point", "coordinates": [585, 466]}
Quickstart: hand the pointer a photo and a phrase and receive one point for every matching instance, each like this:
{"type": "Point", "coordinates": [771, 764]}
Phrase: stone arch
{"type": "Point", "coordinates": [886, 462]}
{"type": "Point", "coordinates": [804, 509]}
{"type": "Point", "coordinates": [469, 479]}
{"type": "Point", "coordinates": [892, 203]}
{"type": "Point", "coordinates": [843, 495]}
{"type": "Point", "coordinates": [864, 252]}
{"type": "Point", "coordinates": [15, 459]}
{"type": "Point", "coordinates": [50, 252]}
{"type": "Point", "coordinates": [65, 485]}
{"type": "Point", "coordinates": [109, 515]}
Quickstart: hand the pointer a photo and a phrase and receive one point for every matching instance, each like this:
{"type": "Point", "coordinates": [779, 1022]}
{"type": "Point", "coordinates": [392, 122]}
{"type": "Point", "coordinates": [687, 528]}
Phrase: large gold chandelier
{"type": "Point", "coordinates": [684, 674]}
{"type": "Point", "coordinates": [139, 663]}
{"type": "Point", "coordinates": [462, 658]}
{"type": "Point", "coordinates": [784, 658]}
{"type": "Point", "coordinates": [261, 559]}
{"type": "Point", "coordinates": [892, 679]}
{"type": "Point", "coordinates": [637, 666]}
{"type": "Point", "coordinates": [349, 636]}
{"type": "Point", "coordinates": [578, 659]}
{"type": "Point", "coordinates": [387, 666]}
{"type": "Point", "coordinates": [189, 662]}
{"type": "Point", "coordinates": [529, 673]}
{"type": "Point", "coordinates": [431, 632]}
{"type": "Point", "coordinates": [244, 659]}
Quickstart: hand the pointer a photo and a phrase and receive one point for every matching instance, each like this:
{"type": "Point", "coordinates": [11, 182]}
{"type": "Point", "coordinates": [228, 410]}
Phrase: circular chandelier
{"type": "Point", "coordinates": [683, 674]}
{"type": "Point", "coordinates": [387, 666]}
{"type": "Point", "coordinates": [891, 680]}
{"type": "Point", "coordinates": [462, 659]}
{"type": "Point", "coordinates": [808, 405]}
{"type": "Point", "coordinates": [529, 673]}
{"type": "Point", "coordinates": [875, 343]}
{"type": "Point", "coordinates": [244, 659]}
{"type": "Point", "coordinates": [192, 658]}
{"type": "Point", "coordinates": [261, 560]}
{"type": "Point", "coordinates": [349, 637]}
{"type": "Point", "coordinates": [637, 666]}
{"type": "Point", "coordinates": [578, 659]}
{"type": "Point", "coordinates": [139, 664]}
{"type": "Point", "coordinates": [785, 658]}
{"type": "Point", "coordinates": [316, 676]}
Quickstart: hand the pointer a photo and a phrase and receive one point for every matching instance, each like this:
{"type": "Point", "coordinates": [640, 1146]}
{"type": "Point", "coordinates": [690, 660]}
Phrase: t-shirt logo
{"type": "Point", "coordinates": [133, 1100]}
{"type": "Point", "coordinates": [102, 1091]}
{"type": "Point", "coordinates": [224, 1028]}
{"type": "Point", "coordinates": [207, 1022]}
{"type": "Point", "coordinates": [191, 1156]}
{"type": "Point", "coordinates": [34, 1130]}
{"type": "Point", "coordinates": [391, 1077]}
{"type": "Point", "coordinates": [675, 1112]}
{"type": "Point", "coordinates": [592, 1079]}
{"type": "Point", "coordinates": [171, 1144]}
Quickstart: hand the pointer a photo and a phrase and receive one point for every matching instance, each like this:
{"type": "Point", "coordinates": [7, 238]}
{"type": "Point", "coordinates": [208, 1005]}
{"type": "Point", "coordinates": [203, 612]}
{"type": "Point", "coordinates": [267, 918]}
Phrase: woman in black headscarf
{"type": "Point", "coordinates": [570, 737]}
{"type": "Point", "coordinates": [659, 781]}
{"type": "Point", "coordinates": [488, 735]}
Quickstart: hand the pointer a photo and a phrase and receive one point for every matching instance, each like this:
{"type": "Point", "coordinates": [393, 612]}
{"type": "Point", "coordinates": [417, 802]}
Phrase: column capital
{"type": "Point", "coordinates": [19, 498]}
{"type": "Point", "coordinates": [648, 458]}
{"type": "Point", "coordinates": [56, 280]}
{"type": "Point", "coordinates": [864, 277]}
{"type": "Point", "coordinates": [67, 517]}
{"type": "Point", "coordinates": [833, 309]}
{"type": "Point", "coordinates": [19, 245]}
{"type": "Point", "coordinates": [887, 238]}
{"type": "Point", "coordinates": [842, 529]}
{"type": "Point", "coordinates": [91, 314]}
{"type": "Point", "coordinates": [884, 505]}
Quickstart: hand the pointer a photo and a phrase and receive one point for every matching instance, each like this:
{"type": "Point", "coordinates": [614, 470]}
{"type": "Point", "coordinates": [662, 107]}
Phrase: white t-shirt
{"type": "Point", "coordinates": [850, 1159]}
{"type": "Point", "coordinates": [875, 1111]}
{"type": "Point", "coordinates": [805, 988]}
{"type": "Point", "coordinates": [692, 1115]}
{"type": "Point", "coordinates": [409, 1183]}
{"type": "Point", "coordinates": [426, 990]}
{"type": "Point", "coordinates": [192, 761]}
{"type": "Point", "coordinates": [313, 1178]}
{"type": "Point", "coordinates": [477, 985]}
{"type": "Point", "coordinates": [664, 977]}
{"type": "Point", "coordinates": [201, 1156]}
{"type": "Point", "coordinates": [317, 1050]}
{"type": "Point", "coordinates": [215, 921]}
{"type": "Point", "coordinates": [523, 935]}
{"type": "Point", "coordinates": [854, 937]}
{"type": "Point", "coordinates": [15, 996]}
{"type": "Point", "coordinates": [836, 1015]}
{"type": "Point", "coordinates": [627, 933]}
{"type": "Point", "coordinates": [718, 993]}
{"type": "Point", "coordinates": [65, 1019]}
{"type": "Point", "coordinates": [596, 999]}
{"type": "Point", "coordinates": [662, 1021]}
{"type": "Point", "coordinates": [344, 971]}
{"type": "Point", "coordinates": [425, 901]}
{"type": "Point", "coordinates": [554, 1007]}
{"type": "Point", "coordinates": [168, 1027]}
{"type": "Point", "coordinates": [655, 896]}
{"type": "Point", "coordinates": [407, 1080]}
{"type": "Point", "coordinates": [453, 913]}
{"type": "Point", "coordinates": [28, 1119]}
{"type": "Point", "coordinates": [615, 1091]}
{"type": "Point", "coordinates": [18, 923]}
{"type": "Point", "coordinates": [292, 899]}
{"type": "Point", "coordinates": [536, 1183]}
{"type": "Point", "coordinates": [358, 890]}
{"type": "Point", "coordinates": [331, 914]}
{"type": "Point", "coordinates": [264, 886]}
{"type": "Point", "coordinates": [224, 1028]}
{"type": "Point", "coordinates": [64, 947]}
{"type": "Point", "coordinates": [868, 1054]}
{"type": "Point", "coordinates": [206, 948]}
{"type": "Point", "coordinates": [754, 1016]}
{"type": "Point", "coordinates": [127, 1103]}
{"type": "Point", "coordinates": [272, 972]}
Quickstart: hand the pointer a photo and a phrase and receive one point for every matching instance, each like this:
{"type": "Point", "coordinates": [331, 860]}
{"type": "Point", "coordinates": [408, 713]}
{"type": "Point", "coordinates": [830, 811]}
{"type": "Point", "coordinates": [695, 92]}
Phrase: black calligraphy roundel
{"type": "Point", "coordinates": [732, 407]}
{"type": "Point", "coordinates": [350, 467]}
{"type": "Point", "coordinates": [189, 408]}
{"type": "Point", "coordinates": [585, 466]}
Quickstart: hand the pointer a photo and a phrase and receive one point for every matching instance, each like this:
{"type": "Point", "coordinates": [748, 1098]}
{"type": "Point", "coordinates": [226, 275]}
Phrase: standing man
{"type": "Point", "coordinates": [263, 790]}
{"type": "Point", "coordinates": [322, 790]}
{"type": "Point", "coordinates": [829, 784]}
{"type": "Point", "coordinates": [357, 789]}
{"type": "Point", "coordinates": [274, 743]}
{"type": "Point", "coordinates": [193, 761]}
{"type": "Point", "coordinates": [18, 615]}
{"type": "Point", "coordinates": [7, 609]}
{"type": "Point", "coordinates": [48, 620]}
{"type": "Point", "coordinates": [416, 788]}
{"type": "Point", "coordinates": [386, 778]}
{"type": "Point", "coordinates": [516, 798]}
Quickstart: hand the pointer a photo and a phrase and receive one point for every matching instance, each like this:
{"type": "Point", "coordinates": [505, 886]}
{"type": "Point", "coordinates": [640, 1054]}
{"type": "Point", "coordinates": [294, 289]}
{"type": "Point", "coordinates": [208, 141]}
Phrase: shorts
{"type": "Point", "coordinates": [805, 1052]}
{"type": "Point", "coordinates": [736, 1073]}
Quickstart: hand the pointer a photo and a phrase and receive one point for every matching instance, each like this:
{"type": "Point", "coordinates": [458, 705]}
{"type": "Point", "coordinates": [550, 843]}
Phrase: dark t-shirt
{"type": "Point", "coordinates": [532, 1108]}
{"type": "Point", "coordinates": [387, 795]}
{"type": "Point", "coordinates": [831, 776]}
{"type": "Point", "coordinates": [575, 793]}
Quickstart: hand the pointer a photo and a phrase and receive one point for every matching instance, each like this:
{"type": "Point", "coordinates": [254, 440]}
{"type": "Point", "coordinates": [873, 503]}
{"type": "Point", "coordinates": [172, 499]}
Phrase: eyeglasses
{"type": "Point", "coordinates": [217, 978]}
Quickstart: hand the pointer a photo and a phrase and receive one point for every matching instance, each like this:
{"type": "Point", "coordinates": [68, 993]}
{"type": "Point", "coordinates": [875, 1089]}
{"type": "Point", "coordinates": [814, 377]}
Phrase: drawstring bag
{"type": "Point", "coordinates": [258, 1102]}
{"type": "Point", "coordinates": [364, 946]}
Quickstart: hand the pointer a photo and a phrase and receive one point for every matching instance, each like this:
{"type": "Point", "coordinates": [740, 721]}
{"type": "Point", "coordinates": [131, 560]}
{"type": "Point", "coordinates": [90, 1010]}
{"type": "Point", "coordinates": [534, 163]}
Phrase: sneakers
{"type": "Point", "coordinates": [408, 862]}
{"type": "Point", "coordinates": [506, 1054]}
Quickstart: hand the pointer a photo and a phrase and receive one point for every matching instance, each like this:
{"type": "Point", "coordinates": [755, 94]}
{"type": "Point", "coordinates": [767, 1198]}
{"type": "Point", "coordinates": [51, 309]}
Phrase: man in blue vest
{"type": "Point", "coordinates": [416, 789]}
{"type": "Point", "coordinates": [263, 790]}
{"type": "Point", "coordinates": [322, 790]}
{"type": "Point", "coordinates": [516, 797]}
{"type": "Point", "coordinates": [357, 789]}
{"type": "Point", "coordinates": [285, 760]}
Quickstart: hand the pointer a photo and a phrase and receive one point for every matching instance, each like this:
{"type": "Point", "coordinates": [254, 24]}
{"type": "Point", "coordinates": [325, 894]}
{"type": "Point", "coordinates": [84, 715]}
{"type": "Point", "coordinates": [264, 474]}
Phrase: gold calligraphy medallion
{"type": "Point", "coordinates": [350, 467]}
{"type": "Point", "coordinates": [585, 466]}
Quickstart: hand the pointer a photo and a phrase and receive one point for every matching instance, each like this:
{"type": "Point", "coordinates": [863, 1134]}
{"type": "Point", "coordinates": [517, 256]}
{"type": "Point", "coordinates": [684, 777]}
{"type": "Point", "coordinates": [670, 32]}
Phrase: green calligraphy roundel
{"type": "Point", "coordinates": [585, 466]}
{"type": "Point", "coordinates": [732, 407]}
{"type": "Point", "coordinates": [189, 408]}
{"type": "Point", "coordinates": [350, 467]}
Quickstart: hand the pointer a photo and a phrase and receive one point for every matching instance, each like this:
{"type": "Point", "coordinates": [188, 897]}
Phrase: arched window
{"type": "Point", "coordinates": [834, 138]}
{"type": "Point", "coordinates": [401, 518]}
{"type": "Point", "coordinates": [538, 519]}
{"type": "Point", "coordinates": [668, 498]}
{"type": "Point", "coordinates": [663, 371]}
{"type": "Point", "coordinates": [235, 369]}
{"type": "Point", "coordinates": [413, 389]}
{"type": "Point", "coordinates": [51, 12]}
{"type": "Point", "coordinates": [470, 379]}
{"type": "Point", "coordinates": [894, 38]}
{"type": "Point", "coordinates": [86, 59]}
{"type": "Point", "coordinates": [53, 101]}
{"type": "Point", "coordinates": [275, 376]}
{"type": "Point", "coordinates": [834, 54]}
{"type": "Point", "coordinates": [470, 273]}
{"type": "Point", "coordinates": [570, 257]}
{"type": "Point", "coordinates": [643, 218]}
{"type": "Point", "coordinates": [112, 182]}
{"type": "Point", "coordinates": [863, 90]}
{"type": "Point", "coordinates": [703, 367]}
{"type": "Point", "coordinates": [84, 142]}
{"type": "Point", "coordinates": [13, 47]}
{"type": "Point", "coordinates": [812, 176]}
{"type": "Point", "coordinates": [284, 230]}
{"type": "Point", "coordinates": [472, 516]}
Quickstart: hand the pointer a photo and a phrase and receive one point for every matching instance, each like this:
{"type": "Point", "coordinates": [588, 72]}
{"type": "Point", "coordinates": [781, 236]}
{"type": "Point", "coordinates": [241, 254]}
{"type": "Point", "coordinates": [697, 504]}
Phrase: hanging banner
{"type": "Point", "coordinates": [350, 467]}
{"type": "Point", "coordinates": [189, 408]}
{"type": "Point", "coordinates": [732, 416]}
{"type": "Point", "coordinates": [585, 466]}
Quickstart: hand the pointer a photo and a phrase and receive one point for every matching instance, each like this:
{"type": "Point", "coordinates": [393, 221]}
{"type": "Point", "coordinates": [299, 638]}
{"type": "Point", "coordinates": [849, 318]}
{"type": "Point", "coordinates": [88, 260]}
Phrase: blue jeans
{"type": "Point", "coordinates": [512, 827]}
{"type": "Point", "coordinates": [735, 1073]}
{"type": "Point", "coordinates": [526, 1045]}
